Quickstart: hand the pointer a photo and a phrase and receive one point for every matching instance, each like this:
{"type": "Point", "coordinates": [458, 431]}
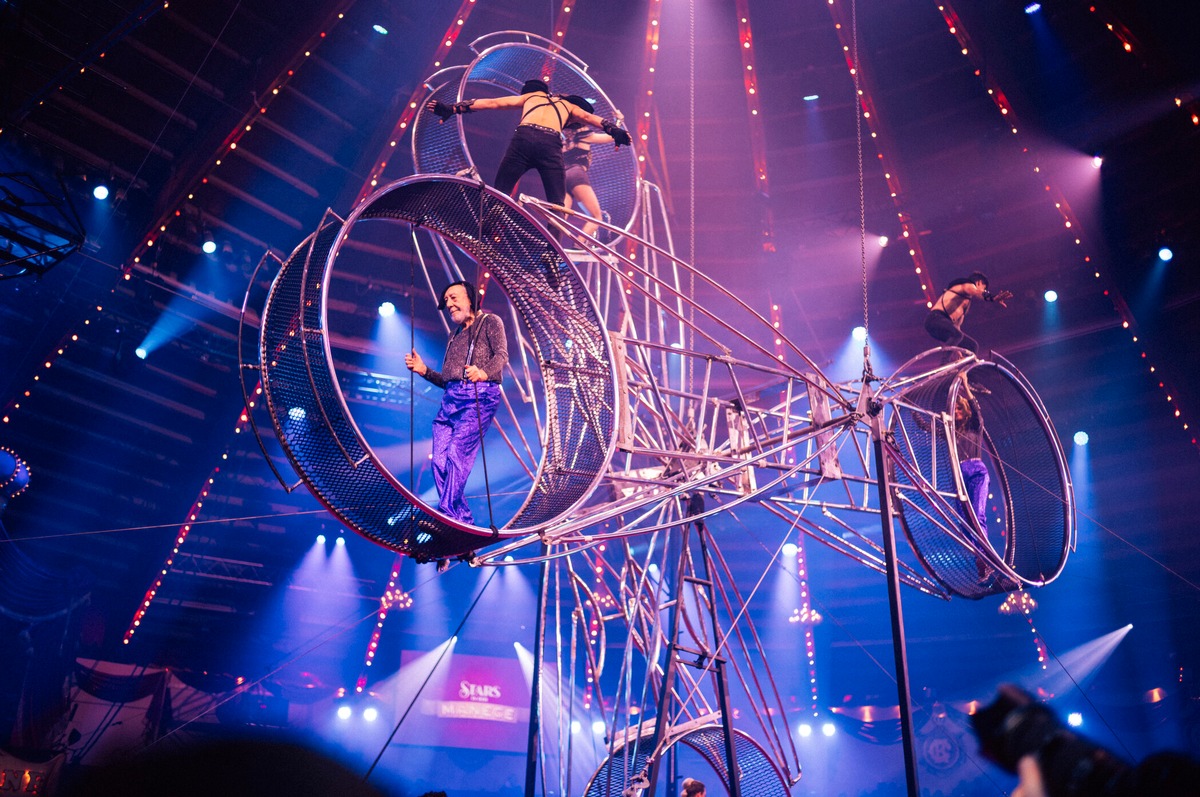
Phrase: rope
{"type": "Point", "coordinates": [868, 373]}
{"type": "Point", "coordinates": [691, 191]}
{"type": "Point", "coordinates": [432, 670]}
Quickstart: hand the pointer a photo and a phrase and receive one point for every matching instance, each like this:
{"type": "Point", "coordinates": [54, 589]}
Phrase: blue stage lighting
{"type": "Point", "coordinates": [208, 244]}
{"type": "Point", "coordinates": [859, 334]}
{"type": "Point", "coordinates": [1051, 296]}
{"type": "Point", "coordinates": [344, 712]}
{"type": "Point", "coordinates": [1081, 438]}
{"type": "Point", "coordinates": [1033, 8]}
{"type": "Point", "coordinates": [790, 549]}
{"type": "Point", "coordinates": [320, 539]}
{"type": "Point", "coordinates": [805, 729]}
{"type": "Point", "coordinates": [1074, 719]}
{"type": "Point", "coordinates": [828, 729]}
{"type": "Point", "coordinates": [811, 97]}
{"type": "Point", "coordinates": [340, 541]}
{"type": "Point", "coordinates": [370, 713]}
{"type": "Point", "coordinates": [100, 192]}
{"type": "Point", "coordinates": [387, 310]}
{"type": "Point", "coordinates": [140, 352]}
{"type": "Point", "coordinates": [297, 414]}
{"type": "Point", "coordinates": [380, 29]}
{"type": "Point", "coordinates": [1165, 254]}
{"type": "Point", "coordinates": [598, 727]}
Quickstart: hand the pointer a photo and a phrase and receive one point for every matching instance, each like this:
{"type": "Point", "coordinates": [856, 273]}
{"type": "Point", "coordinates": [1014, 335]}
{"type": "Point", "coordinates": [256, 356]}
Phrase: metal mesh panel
{"type": "Point", "coordinates": [613, 173]}
{"type": "Point", "coordinates": [311, 416]}
{"type": "Point", "coordinates": [312, 425]}
{"type": "Point", "coordinates": [1030, 462]}
{"type": "Point", "coordinates": [1028, 482]}
{"type": "Point", "coordinates": [757, 774]}
{"type": "Point", "coordinates": [437, 145]}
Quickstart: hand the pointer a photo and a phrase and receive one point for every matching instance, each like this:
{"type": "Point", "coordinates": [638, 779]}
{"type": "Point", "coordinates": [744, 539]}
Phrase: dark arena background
{"type": "Point", "coordinates": [719, 514]}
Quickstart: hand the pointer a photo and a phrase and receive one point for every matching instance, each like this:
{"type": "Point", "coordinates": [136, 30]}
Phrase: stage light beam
{"type": "Point", "coordinates": [140, 352]}
{"type": "Point", "coordinates": [859, 334]}
{"type": "Point", "coordinates": [100, 192]}
{"type": "Point", "coordinates": [1165, 254]}
{"type": "Point", "coordinates": [1033, 8]}
{"type": "Point", "coordinates": [208, 244]}
{"type": "Point", "coordinates": [387, 310]}
{"type": "Point", "coordinates": [1074, 719]}
{"type": "Point", "coordinates": [1051, 296]}
{"type": "Point", "coordinates": [344, 712]}
{"type": "Point", "coordinates": [1081, 438]}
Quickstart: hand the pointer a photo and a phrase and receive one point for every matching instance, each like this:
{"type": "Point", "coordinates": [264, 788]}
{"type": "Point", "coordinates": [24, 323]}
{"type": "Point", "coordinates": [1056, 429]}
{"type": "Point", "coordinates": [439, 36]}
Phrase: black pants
{"type": "Point", "coordinates": [534, 148]}
{"type": "Point", "coordinates": [939, 325]}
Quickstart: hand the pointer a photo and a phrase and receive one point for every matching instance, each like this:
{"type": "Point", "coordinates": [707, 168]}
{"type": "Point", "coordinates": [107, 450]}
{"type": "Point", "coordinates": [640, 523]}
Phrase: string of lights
{"type": "Point", "coordinates": [228, 146]}
{"type": "Point", "coordinates": [393, 598]}
{"type": "Point", "coordinates": [1069, 220]}
{"type": "Point", "coordinates": [645, 96]}
{"type": "Point", "coordinates": [758, 139]}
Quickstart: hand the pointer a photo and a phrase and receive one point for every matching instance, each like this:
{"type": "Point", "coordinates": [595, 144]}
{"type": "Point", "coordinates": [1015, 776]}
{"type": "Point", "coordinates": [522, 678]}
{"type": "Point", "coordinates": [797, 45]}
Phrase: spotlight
{"type": "Point", "coordinates": [344, 712]}
{"type": "Point", "coordinates": [1081, 438]}
{"type": "Point", "coordinates": [370, 713]}
{"type": "Point", "coordinates": [598, 727]}
{"type": "Point", "coordinates": [387, 310]}
{"type": "Point", "coordinates": [297, 414]}
{"type": "Point", "coordinates": [827, 729]}
{"type": "Point", "coordinates": [576, 726]}
{"type": "Point", "coordinates": [805, 729]}
{"type": "Point", "coordinates": [859, 334]}
{"type": "Point", "coordinates": [789, 549]}
{"type": "Point", "coordinates": [100, 192]}
{"type": "Point", "coordinates": [380, 29]}
{"type": "Point", "coordinates": [1097, 161]}
{"type": "Point", "coordinates": [320, 539]}
{"type": "Point", "coordinates": [1033, 8]}
{"type": "Point", "coordinates": [1051, 296]}
{"type": "Point", "coordinates": [1074, 719]}
{"type": "Point", "coordinates": [208, 244]}
{"type": "Point", "coordinates": [140, 352]}
{"type": "Point", "coordinates": [811, 97]}
{"type": "Point", "coordinates": [883, 241]}
{"type": "Point", "coordinates": [1165, 254]}
{"type": "Point", "coordinates": [508, 558]}
{"type": "Point", "coordinates": [340, 541]}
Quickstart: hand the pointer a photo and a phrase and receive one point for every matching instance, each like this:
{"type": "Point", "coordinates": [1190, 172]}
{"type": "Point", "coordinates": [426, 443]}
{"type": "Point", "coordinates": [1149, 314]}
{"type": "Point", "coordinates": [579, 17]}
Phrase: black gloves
{"type": "Point", "coordinates": [445, 111]}
{"type": "Point", "coordinates": [620, 137]}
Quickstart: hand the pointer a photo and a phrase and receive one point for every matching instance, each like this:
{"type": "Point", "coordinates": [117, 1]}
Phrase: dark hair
{"type": "Point", "coordinates": [533, 84]}
{"type": "Point", "coordinates": [970, 279]}
{"type": "Point", "coordinates": [692, 786]}
{"type": "Point", "coordinates": [472, 294]}
{"type": "Point", "coordinates": [575, 99]}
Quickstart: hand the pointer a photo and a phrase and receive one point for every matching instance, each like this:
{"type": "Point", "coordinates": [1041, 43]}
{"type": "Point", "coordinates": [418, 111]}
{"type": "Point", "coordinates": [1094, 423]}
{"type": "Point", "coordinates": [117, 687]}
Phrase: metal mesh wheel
{"type": "Point", "coordinates": [311, 415]}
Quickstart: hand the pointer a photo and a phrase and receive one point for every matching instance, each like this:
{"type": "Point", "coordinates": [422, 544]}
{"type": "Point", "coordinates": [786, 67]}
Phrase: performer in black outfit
{"type": "Point", "coordinates": [537, 142]}
{"type": "Point", "coordinates": [578, 139]}
{"type": "Point", "coordinates": [945, 320]}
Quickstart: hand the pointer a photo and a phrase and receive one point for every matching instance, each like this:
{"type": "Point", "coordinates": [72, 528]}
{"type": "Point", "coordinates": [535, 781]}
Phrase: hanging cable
{"type": "Point", "coordinates": [691, 190]}
{"type": "Point", "coordinates": [412, 346]}
{"type": "Point", "coordinates": [868, 373]}
{"type": "Point", "coordinates": [432, 670]}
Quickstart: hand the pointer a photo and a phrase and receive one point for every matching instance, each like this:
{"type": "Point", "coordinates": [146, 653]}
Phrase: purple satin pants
{"type": "Point", "coordinates": [976, 480]}
{"type": "Point", "coordinates": [465, 416]}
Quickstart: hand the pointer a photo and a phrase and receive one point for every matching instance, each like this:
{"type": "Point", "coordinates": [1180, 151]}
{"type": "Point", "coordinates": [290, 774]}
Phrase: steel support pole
{"type": "Point", "coordinates": [535, 696]}
{"type": "Point", "coordinates": [899, 648]}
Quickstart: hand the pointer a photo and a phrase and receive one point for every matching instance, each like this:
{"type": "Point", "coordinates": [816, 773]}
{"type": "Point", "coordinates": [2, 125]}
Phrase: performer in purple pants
{"type": "Point", "coordinates": [968, 435]}
{"type": "Point", "coordinates": [470, 376]}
